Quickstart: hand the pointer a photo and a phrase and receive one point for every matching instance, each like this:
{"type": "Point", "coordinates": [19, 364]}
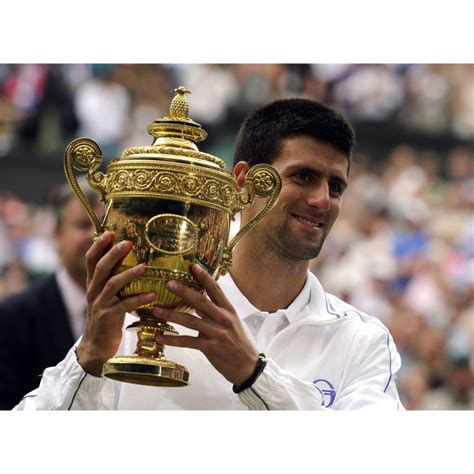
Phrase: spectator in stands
{"type": "Point", "coordinates": [38, 325]}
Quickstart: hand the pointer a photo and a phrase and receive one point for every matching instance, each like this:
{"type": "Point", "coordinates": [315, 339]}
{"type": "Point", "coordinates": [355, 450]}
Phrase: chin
{"type": "Point", "coordinates": [298, 252]}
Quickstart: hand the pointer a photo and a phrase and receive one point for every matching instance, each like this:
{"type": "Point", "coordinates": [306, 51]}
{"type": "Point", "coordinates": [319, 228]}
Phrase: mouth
{"type": "Point", "coordinates": [312, 222]}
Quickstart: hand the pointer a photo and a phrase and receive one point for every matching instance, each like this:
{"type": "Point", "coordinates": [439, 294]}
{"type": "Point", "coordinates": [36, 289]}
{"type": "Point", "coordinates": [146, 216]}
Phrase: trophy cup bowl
{"type": "Point", "coordinates": [175, 204]}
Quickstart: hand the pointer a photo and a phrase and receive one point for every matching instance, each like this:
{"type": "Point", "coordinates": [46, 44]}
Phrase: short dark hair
{"type": "Point", "coordinates": [261, 135]}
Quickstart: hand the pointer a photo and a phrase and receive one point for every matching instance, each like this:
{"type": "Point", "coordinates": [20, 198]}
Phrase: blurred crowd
{"type": "Point", "coordinates": [43, 106]}
{"type": "Point", "coordinates": [403, 247]}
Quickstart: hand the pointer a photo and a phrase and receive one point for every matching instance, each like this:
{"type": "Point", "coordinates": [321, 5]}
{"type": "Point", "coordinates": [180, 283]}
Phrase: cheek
{"type": "Point", "coordinates": [85, 237]}
{"type": "Point", "coordinates": [289, 197]}
{"type": "Point", "coordinates": [76, 240]}
{"type": "Point", "coordinates": [335, 208]}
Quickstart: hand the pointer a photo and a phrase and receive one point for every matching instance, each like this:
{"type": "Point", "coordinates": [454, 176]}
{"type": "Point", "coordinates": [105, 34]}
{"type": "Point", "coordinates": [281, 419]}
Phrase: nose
{"type": "Point", "coordinates": [319, 198]}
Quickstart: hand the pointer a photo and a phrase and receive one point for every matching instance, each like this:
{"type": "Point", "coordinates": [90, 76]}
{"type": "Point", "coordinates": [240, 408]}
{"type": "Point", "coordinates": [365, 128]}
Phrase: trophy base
{"type": "Point", "coordinates": [146, 371]}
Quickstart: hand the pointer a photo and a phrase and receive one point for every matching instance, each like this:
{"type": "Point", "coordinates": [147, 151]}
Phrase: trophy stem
{"type": "Point", "coordinates": [147, 328]}
{"type": "Point", "coordinates": [148, 365]}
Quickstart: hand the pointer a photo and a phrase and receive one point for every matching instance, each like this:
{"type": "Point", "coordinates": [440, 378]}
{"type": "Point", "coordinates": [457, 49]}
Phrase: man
{"type": "Point", "coordinates": [39, 325]}
{"type": "Point", "coordinates": [319, 351]}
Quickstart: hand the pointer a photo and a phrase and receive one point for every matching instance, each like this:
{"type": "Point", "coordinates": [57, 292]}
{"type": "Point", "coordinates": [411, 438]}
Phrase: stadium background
{"type": "Point", "coordinates": [403, 248]}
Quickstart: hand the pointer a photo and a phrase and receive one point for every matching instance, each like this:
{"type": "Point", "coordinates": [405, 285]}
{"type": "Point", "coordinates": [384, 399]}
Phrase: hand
{"type": "Point", "coordinates": [105, 310]}
{"type": "Point", "coordinates": [221, 337]}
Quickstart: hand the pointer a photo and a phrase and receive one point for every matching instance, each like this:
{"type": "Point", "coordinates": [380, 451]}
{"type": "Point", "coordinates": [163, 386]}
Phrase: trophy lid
{"type": "Point", "coordinates": [178, 124]}
{"type": "Point", "coordinates": [175, 136]}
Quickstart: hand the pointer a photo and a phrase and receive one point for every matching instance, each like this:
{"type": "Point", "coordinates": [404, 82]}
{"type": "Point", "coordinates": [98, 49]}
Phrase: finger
{"type": "Point", "coordinates": [211, 286]}
{"type": "Point", "coordinates": [105, 265]}
{"type": "Point", "coordinates": [116, 283]}
{"type": "Point", "coordinates": [190, 342]}
{"type": "Point", "coordinates": [197, 300]}
{"type": "Point", "coordinates": [131, 303]}
{"type": "Point", "coordinates": [96, 252]}
{"type": "Point", "coordinates": [187, 320]}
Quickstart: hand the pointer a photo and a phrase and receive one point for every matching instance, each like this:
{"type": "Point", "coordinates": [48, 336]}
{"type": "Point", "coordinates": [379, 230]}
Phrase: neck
{"type": "Point", "coordinates": [78, 278]}
{"type": "Point", "coordinates": [269, 282]}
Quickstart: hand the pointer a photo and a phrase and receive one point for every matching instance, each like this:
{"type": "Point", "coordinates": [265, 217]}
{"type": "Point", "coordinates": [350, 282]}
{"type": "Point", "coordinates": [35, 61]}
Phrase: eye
{"type": "Point", "coordinates": [336, 188]}
{"type": "Point", "coordinates": [304, 177]}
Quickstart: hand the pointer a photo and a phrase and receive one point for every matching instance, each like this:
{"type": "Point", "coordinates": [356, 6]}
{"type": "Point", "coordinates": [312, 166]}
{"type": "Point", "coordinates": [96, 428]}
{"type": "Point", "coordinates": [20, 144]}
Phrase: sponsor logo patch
{"type": "Point", "coordinates": [328, 391]}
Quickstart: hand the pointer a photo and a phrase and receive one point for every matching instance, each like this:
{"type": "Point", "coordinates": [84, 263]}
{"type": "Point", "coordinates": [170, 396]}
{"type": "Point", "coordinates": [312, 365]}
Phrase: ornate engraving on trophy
{"type": "Point", "coordinates": [171, 234]}
{"type": "Point", "coordinates": [84, 155]}
{"type": "Point", "coordinates": [264, 182]}
{"type": "Point", "coordinates": [201, 187]}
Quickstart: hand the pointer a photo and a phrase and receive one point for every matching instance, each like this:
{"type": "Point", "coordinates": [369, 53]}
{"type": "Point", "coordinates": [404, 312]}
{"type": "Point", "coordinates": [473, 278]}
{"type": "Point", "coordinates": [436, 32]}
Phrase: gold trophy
{"type": "Point", "coordinates": [175, 204]}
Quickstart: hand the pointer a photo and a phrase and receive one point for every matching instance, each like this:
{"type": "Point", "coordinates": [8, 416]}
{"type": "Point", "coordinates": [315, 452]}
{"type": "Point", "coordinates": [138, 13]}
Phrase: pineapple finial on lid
{"type": "Point", "coordinates": [179, 107]}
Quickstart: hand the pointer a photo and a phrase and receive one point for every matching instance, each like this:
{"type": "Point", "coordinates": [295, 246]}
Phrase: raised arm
{"type": "Point", "coordinates": [76, 382]}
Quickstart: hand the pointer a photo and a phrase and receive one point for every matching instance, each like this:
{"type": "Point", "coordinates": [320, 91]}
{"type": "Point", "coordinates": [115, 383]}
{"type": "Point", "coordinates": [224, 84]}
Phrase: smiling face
{"type": "Point", "coordinates": [314, 177]}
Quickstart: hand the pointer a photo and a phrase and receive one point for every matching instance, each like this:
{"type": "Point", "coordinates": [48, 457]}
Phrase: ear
{"type": "Point", "coordinates": [240, 171]}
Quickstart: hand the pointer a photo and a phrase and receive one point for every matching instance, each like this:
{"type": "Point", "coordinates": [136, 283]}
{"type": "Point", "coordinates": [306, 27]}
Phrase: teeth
{"type": "Point", "coordinates": [312, 224]}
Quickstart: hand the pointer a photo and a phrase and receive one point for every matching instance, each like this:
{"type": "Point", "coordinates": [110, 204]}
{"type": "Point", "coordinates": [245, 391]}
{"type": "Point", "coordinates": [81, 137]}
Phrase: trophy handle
{"type": "Point", "coordinates": [263, 181]}
{"type": "Point", "coordinates": [84, 154]}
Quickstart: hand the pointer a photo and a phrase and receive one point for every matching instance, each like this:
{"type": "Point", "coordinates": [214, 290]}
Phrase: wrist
{"type": "Point", "coordinates": [251, 379]}
{"type": "Point", "coordinates": [91, 364]}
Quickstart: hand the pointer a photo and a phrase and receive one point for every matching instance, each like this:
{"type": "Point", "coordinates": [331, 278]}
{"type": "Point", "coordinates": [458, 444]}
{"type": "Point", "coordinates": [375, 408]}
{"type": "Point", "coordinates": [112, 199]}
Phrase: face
{"type": "Point", "coordinates": [73, 238]}
{"type": "Point", "coordinates": [314, 177]}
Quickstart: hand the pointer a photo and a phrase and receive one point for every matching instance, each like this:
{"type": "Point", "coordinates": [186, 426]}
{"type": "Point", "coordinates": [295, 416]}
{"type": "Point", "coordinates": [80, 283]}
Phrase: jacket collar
{"type": "Point", "coordinates": [312, 302]}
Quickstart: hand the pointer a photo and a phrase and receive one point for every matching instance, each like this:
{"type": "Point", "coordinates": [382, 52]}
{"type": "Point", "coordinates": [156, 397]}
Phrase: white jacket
{"type": "Point", "coordinates": [329, 355]}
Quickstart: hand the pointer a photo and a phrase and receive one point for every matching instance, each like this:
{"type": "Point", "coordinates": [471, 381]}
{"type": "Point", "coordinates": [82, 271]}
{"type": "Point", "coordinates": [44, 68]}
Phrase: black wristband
{"type": "Point", "coordinates": [262, 362]}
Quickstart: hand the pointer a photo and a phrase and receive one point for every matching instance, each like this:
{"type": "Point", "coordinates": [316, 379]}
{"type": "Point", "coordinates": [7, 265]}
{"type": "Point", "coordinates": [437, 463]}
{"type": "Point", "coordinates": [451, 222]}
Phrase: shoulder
{"type": "Point", "coordinates": [371, 341]}
{"type": "Point", "coordinates": [365, 326]}
{"type": "Point", "coordinates": [353, 326]}
{"type": "Point", "coordinates": [38, 292]}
